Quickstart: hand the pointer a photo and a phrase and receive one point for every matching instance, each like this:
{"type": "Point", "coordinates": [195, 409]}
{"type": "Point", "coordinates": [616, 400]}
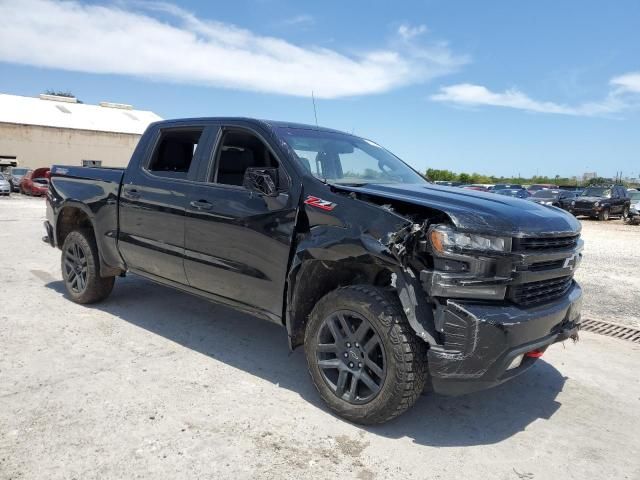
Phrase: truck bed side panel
{"type": "Point", "coordinates": [95, 191]}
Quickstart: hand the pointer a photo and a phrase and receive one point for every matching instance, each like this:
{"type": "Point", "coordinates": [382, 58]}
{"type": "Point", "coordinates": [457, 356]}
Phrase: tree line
{"type": "Point", "coordinates": [435, 174]}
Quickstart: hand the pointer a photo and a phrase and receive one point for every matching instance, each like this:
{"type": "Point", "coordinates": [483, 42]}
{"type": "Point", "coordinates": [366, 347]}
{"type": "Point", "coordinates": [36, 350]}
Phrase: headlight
{"type": "Point", "coordinates": [573, 203]}
{"type": "Point", "coordinates": [446, 239]}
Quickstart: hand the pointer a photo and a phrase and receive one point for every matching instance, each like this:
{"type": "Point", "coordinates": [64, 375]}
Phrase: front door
{"type": "Point", "coordinates": [237, 242]}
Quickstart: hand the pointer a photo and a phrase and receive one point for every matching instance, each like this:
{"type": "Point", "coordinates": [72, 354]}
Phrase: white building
{"type": "Point", "coordinates": [38, 132]}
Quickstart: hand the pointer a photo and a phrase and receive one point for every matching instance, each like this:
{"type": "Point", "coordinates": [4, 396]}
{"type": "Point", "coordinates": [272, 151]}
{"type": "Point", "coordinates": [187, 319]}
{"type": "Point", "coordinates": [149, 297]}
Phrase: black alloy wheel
{"type": "Point", "coordinates": [351, 357]}
{"type": "Point", "coordinates": [75, 267]}
{"type": "Point", "coordinates": [80, 264]}
{"type": "Point", "coordinates": [364, 358]}
{"type": "Point", "coordinates": [604, 215]}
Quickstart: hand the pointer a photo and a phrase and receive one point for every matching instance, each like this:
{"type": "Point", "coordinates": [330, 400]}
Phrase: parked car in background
{"type": "Point", "coordinates": [15, 177]}
{"type": "Point", "coordinates": [5, 186]}
{"type": "Point", "coordinates": [572, 188]}
{"type": "Point", "coordinates": [556, 198]}
{"type": "Point", "coordinates": [634, 208]}
{"type": "Point", "coordinates": [541, 186]}
{"type": "Point", "coordinates": [479, 188]}
{"type": "Point", "coordinates": [446, 183]}
{"type": "Point", "coordinates": [35, 182]}
{"type": "Point", "coordinates": [514, 192]}
{"type": "Point", "coordinates": [601, 202]}
{"type": "Point", "coordinates": [506, 186]}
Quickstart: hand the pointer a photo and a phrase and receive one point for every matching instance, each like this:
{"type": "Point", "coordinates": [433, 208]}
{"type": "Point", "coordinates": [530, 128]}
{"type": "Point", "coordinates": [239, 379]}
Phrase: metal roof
{"type": "Point", "coordinates": [66, 113]}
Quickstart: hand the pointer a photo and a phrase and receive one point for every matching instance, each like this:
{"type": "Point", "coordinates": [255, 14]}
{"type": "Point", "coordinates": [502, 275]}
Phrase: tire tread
{"type": "Point", "coordinates": [409, 352]}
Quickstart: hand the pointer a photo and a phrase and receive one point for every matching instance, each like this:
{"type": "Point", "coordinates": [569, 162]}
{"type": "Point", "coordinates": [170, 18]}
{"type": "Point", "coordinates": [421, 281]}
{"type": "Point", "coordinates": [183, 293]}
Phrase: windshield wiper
{"type": "Point", "coordinates": [350, 184]}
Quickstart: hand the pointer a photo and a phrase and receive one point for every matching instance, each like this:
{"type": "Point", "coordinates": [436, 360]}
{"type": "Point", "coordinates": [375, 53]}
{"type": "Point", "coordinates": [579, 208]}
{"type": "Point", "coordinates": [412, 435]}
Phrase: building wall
{"type": "Point", "coordinates": [35, 146]}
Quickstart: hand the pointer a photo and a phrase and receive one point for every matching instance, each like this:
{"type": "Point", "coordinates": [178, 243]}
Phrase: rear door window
{"type": "Point", "coordinates": [174, 153]}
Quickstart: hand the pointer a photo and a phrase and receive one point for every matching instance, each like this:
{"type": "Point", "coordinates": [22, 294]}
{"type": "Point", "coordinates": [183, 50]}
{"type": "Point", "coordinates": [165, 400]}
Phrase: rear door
{"type": "Point", "coordinates": [153, 201]}
{"type": "Point", "coordinates": [238, 242]}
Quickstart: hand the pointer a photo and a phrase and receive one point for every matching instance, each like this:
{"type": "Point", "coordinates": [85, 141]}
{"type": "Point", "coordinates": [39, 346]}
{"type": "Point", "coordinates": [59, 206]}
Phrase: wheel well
{"type": "Point", "coordinates": [70, 219]}
{"type": "Point", "coordinates": [316, 278]}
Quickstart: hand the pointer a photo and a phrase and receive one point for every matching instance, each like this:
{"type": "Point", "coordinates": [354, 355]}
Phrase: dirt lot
{"type": "Point", "coordinates": [154, 383]}
{"type": "Point", "coordinates": [610, 272]}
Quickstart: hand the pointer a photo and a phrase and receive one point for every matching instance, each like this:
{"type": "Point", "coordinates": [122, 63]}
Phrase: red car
{"type": "Point", "coordinates": [35, 182]}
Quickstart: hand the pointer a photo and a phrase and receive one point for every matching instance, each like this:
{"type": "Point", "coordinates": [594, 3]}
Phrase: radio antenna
{"type": "Point", "coordinates": [315, 113]}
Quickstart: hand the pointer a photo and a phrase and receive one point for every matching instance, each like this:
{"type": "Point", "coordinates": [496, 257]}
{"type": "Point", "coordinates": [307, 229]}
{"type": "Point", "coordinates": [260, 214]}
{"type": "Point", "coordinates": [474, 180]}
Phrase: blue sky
{"type": "Point", "coordinates": [496, 87]}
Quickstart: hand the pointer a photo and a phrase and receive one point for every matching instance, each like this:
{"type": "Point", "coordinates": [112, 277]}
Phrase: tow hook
{"type": "Point", "coordinates": [537, 353]}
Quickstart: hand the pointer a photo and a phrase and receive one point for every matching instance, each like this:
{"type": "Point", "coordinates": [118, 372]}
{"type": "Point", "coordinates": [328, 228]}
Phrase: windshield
{"type": "Point", "coordinates": [344, 159]}
{"type": "Point", "coordinates": [596, 192]}
{"type": "Point", "coordinates": [2, 177]}
{"type": "Point", "coordinates": [18, 171]}
{"type": "Point", "coordinates": [634, 195]}
{"type": "Point", "coordinates": [546, 194]}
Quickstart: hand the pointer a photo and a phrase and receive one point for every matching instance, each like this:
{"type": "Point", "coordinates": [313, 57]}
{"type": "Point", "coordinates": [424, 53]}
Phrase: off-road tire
{"type": "Point", "coordinates": [406, 366]}
{"type": "Point", "coordinates": [603, 216]}
{"type": "Point", "coordinates": [96, 288]}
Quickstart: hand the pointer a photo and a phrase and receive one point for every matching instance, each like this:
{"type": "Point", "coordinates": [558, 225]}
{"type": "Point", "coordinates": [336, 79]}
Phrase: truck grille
{"type": "Point", "coordinates": [584, 205]}
{"type": "Point", "coordinates": [542, 266]}
{"type": "Point", "coordinates": [540, 292]}
{"type": "Point", "coordinates": [545, 243]}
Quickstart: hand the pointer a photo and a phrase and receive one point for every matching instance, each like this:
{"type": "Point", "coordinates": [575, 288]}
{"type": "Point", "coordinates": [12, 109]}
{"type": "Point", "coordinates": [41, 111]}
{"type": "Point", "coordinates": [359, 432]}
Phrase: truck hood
{"type": "Point", "coordinates": [475, 211]}
{"type": "Point", "coordinates": [590, 199]}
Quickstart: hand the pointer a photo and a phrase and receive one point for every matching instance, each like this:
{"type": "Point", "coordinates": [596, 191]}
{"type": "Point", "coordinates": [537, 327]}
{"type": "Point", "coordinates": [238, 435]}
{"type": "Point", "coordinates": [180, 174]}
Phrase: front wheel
{"type": "Point", "coordinates": [81, 269]}
{"type": "Point", "coordinates": [604, 214]}
{"type": "Point", "coordinates": [625, 214]}
{"type": "Point", "coordinates": [365, 360]}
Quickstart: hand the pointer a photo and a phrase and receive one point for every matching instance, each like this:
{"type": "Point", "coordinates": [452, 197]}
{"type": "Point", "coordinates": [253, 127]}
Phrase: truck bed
{"type": "Point", "coordinates": [95, 191]}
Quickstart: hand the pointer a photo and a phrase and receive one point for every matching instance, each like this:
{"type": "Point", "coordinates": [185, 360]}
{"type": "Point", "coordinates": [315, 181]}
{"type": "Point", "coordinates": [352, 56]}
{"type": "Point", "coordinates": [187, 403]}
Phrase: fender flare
{"type": "Point", "coordinates": [106, 270]}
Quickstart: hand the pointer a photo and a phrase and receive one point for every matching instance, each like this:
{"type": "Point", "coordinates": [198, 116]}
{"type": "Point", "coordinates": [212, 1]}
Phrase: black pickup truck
{"type": "Point", "coordinates": [391, 283]}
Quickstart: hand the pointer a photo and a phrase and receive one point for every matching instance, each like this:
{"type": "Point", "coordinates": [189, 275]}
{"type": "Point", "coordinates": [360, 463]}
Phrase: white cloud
{"type": "Point", "coordinates": [161, 41]}
{"type": "Point", "coordinates": [619, 99]}
{"type": "Point", "coordinates": [629, 82]}
{"type": "Point", "coordinates": [298, 20]}
{"type": "Point", "coordinates": [407, 32]}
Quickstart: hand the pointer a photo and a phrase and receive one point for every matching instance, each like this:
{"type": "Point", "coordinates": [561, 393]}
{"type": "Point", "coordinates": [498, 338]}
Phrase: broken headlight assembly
{"type": "Point", "coordinates": [467, 265]}
{"type": "Point", "coordinates": [445, 239]}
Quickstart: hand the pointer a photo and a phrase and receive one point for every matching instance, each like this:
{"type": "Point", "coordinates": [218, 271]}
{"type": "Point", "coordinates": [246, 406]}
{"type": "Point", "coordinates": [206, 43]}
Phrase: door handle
{"type": "Point", "coordinates": [201, 205]}
{"type": "Point", "coordinates": [132, 193]}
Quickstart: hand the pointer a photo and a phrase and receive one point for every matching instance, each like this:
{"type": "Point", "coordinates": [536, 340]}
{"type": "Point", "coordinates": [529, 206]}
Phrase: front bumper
{"type": "Point", "coordinates": [481, 340]}
{"type": "Point", "coordinates": [589, 212]}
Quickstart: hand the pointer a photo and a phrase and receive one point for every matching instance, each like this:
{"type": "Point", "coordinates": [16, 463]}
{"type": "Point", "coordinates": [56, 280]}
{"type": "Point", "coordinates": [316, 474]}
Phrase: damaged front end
{"type": "Point", "coordinates": [487, 297]}
{"type": "Point", "coordinates": [495, 302]}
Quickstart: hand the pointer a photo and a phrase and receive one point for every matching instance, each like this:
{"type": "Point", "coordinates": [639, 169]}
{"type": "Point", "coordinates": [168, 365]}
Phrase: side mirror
{"type": "Point", "coordinates": [262, 180]}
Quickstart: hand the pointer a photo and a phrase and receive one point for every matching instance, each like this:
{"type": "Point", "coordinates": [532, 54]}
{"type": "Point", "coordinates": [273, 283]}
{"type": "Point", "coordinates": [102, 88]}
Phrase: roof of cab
{"type": "Point", "coordinates": [255, 121]}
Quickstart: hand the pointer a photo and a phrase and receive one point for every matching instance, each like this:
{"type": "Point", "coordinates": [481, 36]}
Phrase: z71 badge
{"type": "Point", "coordinates": [320, 203]}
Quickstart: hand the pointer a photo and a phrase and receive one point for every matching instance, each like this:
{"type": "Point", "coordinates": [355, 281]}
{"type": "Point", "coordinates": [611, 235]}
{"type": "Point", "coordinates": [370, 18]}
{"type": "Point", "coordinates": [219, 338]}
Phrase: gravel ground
{"type": "Point", "coordinates": [610, 271]}
{"type": "Point", "coordinates": [154, 383]}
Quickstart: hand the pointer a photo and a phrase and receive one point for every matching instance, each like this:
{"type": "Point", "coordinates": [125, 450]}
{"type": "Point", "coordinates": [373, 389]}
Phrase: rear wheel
{"type": "Point", "coordinates": [363, 357]}
{"type": "Point", "coordinates": [81, 269]}
{"type": "Point", "coordinates": [604, 214]}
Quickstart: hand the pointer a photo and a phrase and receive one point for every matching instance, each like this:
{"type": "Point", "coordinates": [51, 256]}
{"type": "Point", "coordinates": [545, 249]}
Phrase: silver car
{"type": "Point", "coordinates": [634, 210]}
{"type": "Point", "coordinates": [5, 186]}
